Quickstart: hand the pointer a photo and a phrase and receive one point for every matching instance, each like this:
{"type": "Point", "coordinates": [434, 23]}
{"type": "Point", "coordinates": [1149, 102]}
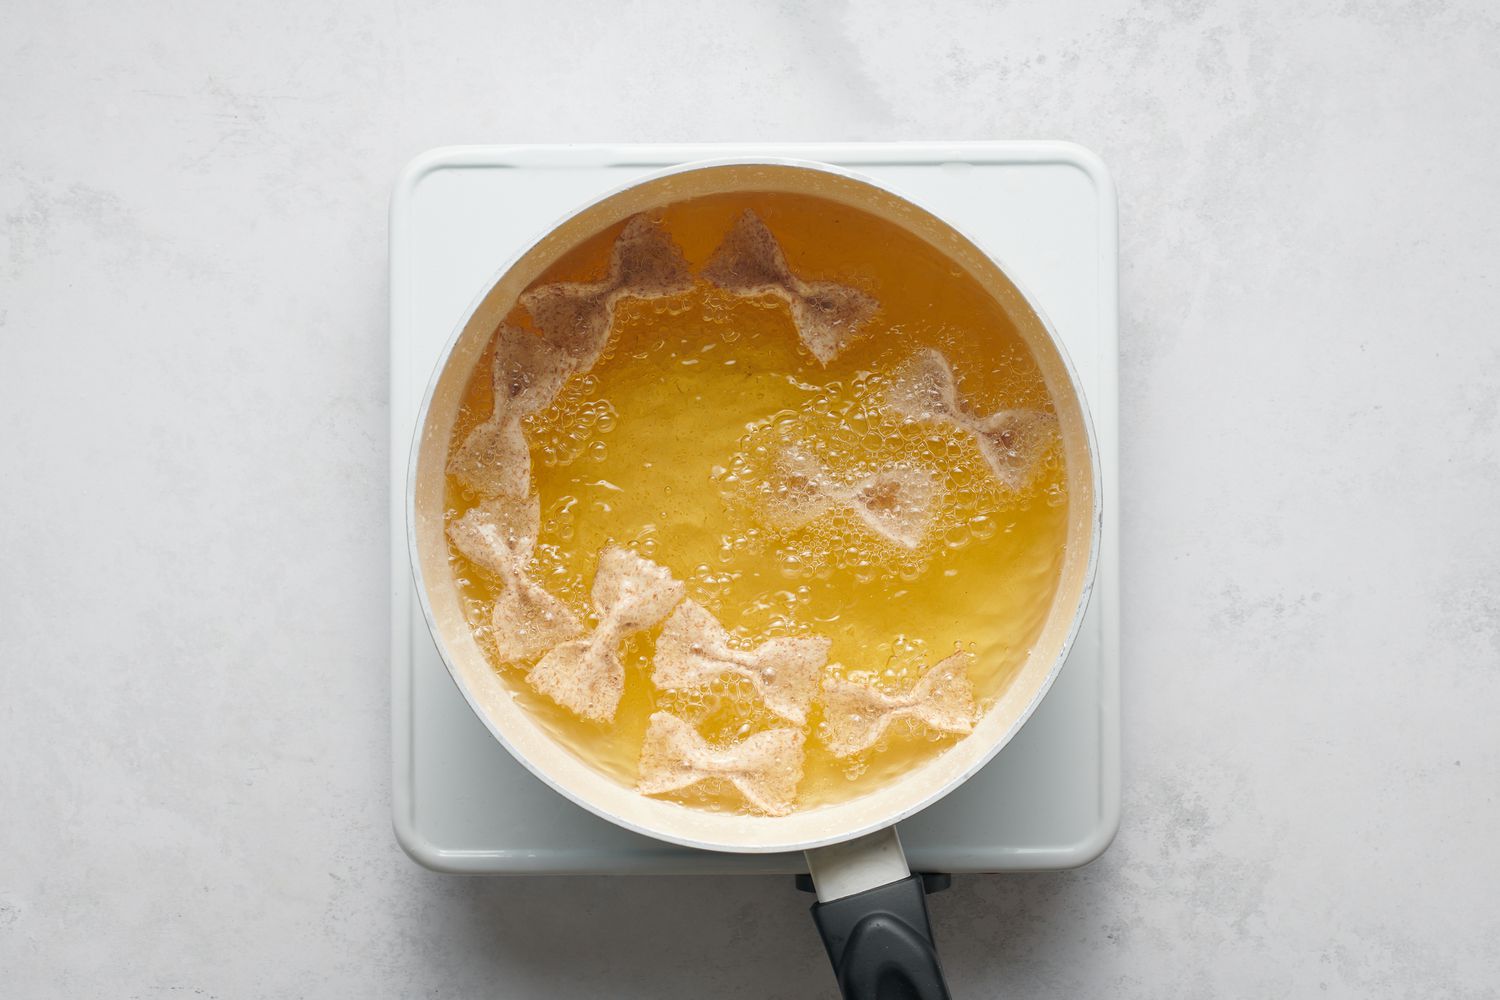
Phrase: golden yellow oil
{"type": "Point", "coordinates": [662, 445]}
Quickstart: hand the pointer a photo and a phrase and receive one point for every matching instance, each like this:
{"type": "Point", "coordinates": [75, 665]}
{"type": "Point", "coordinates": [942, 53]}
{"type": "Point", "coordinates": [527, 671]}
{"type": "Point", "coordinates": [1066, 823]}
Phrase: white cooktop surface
{"type": "Point", "coordinates": [1046, 211]}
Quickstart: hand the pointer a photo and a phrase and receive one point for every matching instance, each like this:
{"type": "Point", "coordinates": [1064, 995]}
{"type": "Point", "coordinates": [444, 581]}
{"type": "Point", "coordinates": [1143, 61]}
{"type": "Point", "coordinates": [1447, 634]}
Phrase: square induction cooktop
{"type": "Point", "coordinates": [1046, 211]}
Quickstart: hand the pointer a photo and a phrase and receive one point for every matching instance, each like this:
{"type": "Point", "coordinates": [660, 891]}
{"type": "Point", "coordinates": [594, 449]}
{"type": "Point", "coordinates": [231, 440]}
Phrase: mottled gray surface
{"type": "Point", "coordinates": [193, 745]}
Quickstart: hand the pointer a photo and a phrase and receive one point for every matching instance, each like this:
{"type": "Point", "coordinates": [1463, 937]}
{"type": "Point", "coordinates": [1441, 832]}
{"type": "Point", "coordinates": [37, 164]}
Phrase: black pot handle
{"type": "Point", "coordinates": [880, 943]}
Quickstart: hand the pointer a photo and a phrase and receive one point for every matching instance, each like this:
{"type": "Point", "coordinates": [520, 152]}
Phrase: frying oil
{"type": "Point", "coordinates": [668, 444]}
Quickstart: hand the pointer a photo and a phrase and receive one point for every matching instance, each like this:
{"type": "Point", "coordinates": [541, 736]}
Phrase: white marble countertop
{"type": "Point", "coordinates": [194, 789]}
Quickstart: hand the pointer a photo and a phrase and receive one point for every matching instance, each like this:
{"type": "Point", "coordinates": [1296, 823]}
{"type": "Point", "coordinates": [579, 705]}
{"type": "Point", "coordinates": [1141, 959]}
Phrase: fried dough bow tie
{"type": "Point", "coordinates": [765, 768]}
{"type": "Point", "coordinates": [858, 715]}
{"type": "Point", "coordinates": [500, 535]}
{"type": "Point", "coordinates": [575, 316]}
{"type": "Point", "coordinates": [896, 503]}
{"type": "Point", "coordinates": [527, 375]}
{"type": "Point", "coordinates": [693, 650]}
{"type": "Point", "coordinates": [827, 315]}
{"type": "Point", "coordinates": [1011, 441]}
{"type": "Point", "coordinates": [631, 594]}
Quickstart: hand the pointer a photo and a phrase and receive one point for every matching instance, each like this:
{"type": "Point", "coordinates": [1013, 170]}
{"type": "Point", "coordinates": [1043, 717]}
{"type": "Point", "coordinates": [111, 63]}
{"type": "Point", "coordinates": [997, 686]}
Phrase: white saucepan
{"type": "Point", "coordinates": [871, 910]}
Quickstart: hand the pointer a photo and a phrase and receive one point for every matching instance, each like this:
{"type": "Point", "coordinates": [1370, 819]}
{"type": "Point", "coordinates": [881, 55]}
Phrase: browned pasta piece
{"type": "Point", "coordinates": [828, 315]}
{"type": "Point", "coordinates": [856, 716]}
{"type": "Point", "coordinates": [764, 768]}
{"type": "Point", "coordinates": [897, 503]}
{"type": "Point", "coordinates": [575, 316]}
{"type": "Point", "coordinates": [694, 650]}
{"type": "Point", "coordinates": [585, 675]}
{"type": "Point", "coordinates": [499, 536]}
{"type": "Point", "coordinates": [1011, 441]}
{"type": "Point", "coordinates": [527, 374]}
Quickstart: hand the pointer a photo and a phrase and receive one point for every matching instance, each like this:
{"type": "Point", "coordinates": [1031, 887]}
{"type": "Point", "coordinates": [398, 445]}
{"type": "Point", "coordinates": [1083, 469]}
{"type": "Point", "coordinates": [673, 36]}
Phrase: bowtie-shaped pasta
{"type": "Point", "coordinates": [586, 675]}
{"type": "Point", "coordinates": [500, 535]}
{"type": "Point", "coordinates": [527, 375]}
{"type": "Point", "coordinates": [857, 715]}
{"type": "Point", "coordinates": [897, 503]}
{"type": "Point", "coordinates": [693, 650]}
{"type": "Point", "coordinates": [575, 316]}
{"type": "Point", "coordinates": [765, 768]}
{"type": "Point", "coordinates": [1011, 441]}
{"type": "Point", "coordinates": [827, 315]}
